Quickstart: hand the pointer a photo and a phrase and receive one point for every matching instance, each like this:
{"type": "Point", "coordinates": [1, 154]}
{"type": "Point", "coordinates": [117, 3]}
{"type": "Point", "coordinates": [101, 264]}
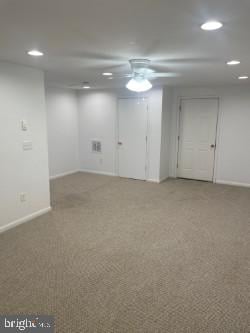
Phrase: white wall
{"type": "Point", "coordinates": [233, 157]}
{"type": "Point", "coordinates": [154, 135]}
{"type": "Point", "coordinates": [166, 131]}
{"type": "Point", "coordinates": [63, 131]}
{"type": "Point", "coordinates": [22, 97]}
{"type": "Point", "coordinates": [98, 120]}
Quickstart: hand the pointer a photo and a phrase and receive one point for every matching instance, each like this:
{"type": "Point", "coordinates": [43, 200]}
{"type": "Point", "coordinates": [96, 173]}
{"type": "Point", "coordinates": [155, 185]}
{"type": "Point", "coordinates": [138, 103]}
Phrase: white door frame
{"type": "Point", "coordinates": [117, 135]}
{"type": "Point", "coordinates": [217, 137]}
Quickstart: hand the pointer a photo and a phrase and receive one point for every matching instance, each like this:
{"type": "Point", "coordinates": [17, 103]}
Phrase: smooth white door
{"type": "Point", "coordinates": [132, 138]}
{"type": "Point", "coordinates": [197, 138]}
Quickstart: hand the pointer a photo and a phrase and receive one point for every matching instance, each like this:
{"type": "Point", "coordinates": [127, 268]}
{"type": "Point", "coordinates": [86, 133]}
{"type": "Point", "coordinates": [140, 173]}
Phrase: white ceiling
{"type": "Point", "coordinates": [83, 38]}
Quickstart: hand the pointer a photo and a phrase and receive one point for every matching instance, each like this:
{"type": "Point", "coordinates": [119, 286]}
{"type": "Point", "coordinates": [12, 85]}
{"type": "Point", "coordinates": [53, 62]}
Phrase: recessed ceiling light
{"type": "Point", "coordinates": [35, 53]}
{"type": "Point", "coordinates": [243, 77]}
{"type": "Point", "coordinates": [86, 85]}
{"type": "Point", "coordinates": [107, 74]}
{"type": "Point", "coordinates": [211, 25]}
{"type": "Point", "coordinates": [233, 62]}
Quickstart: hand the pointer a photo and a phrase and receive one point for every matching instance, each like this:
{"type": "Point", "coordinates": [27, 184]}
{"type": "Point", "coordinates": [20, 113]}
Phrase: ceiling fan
{"type": "Point", "coordinates": [141, 74]}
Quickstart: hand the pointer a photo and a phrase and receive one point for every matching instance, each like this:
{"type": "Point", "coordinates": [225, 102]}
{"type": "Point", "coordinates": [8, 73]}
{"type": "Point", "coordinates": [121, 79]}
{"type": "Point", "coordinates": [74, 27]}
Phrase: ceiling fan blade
{"type": "Point", "coordinates": [75, 86]}
{"type": "Point", "coordinates": [184, 62]}
{"type": "Point", "coordinates": [156, 75]}
{"type": "Point", "coordinates": [116, 69]}
{"type": "Point", "coordinates": [120, 76]}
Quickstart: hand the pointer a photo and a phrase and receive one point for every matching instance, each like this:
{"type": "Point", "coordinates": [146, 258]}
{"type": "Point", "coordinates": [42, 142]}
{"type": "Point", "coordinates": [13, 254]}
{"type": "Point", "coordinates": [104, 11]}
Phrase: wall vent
{"type": "Point", "coordinates": [96, 146]}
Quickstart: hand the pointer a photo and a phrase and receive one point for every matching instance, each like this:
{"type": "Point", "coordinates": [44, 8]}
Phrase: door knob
{"type": "Point", "coordinates": [212, 145]}
{"type": "Point", "coordinates": [120, 143]}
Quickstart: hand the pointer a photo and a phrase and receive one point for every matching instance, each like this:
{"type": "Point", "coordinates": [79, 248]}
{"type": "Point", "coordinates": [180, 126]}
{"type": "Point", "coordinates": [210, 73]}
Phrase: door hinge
{"type": "Point", "coordinates": [180, 107]}
{"type": "Point", "coordinates": [146, 138]}
{"type": "Point", "coordinates": [178, 138]}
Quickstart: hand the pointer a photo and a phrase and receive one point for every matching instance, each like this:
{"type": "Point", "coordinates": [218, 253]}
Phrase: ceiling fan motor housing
{"type": "Point", "coordinates": [139, 66]}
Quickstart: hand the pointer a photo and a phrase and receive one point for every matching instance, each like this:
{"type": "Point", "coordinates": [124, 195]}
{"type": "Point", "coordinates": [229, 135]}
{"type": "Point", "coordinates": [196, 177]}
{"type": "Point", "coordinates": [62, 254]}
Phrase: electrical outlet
{"type": "Point", "coordinates": [23, 196]}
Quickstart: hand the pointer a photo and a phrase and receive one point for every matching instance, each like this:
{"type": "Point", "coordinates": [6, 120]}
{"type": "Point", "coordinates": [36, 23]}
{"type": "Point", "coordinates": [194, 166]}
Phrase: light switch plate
{"type": "Point", "coordinates": [23, 197]}
{"type": "Point", "coordinates": [27, 145]}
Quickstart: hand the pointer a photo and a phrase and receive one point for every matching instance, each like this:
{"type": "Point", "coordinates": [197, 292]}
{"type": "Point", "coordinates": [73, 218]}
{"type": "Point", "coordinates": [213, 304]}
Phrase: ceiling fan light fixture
{"type": "Point", "coordinates": [139, 85]}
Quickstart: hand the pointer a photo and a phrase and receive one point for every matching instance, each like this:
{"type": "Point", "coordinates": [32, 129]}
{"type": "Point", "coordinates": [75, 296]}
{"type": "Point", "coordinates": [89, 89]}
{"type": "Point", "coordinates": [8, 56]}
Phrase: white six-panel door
{"type": "Point", "coordinates": [132, 132]}
{"type": "Point", "coordinates": [197, 138]}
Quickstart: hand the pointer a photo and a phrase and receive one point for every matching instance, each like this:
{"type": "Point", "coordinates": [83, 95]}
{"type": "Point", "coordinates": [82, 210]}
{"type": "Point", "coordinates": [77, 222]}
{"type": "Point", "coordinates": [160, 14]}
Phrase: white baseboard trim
{"type": "Point", "coordinates": [163, 179]}
{"type": "Point", "coordinates": [24, 219]}
{"type": "Point", "coordinates": [64, 174]}
{"type": "Point", "coordinates": [98, 172]}
{"type": "Point", "coordinates": [157, 181]}
{"type": "Point", "coordinates": [225, 182]}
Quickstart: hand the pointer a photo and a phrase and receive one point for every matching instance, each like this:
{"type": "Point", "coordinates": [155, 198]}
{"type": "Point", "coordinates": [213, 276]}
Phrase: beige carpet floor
{"type": "Point", "coordinates": [119, 255]}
